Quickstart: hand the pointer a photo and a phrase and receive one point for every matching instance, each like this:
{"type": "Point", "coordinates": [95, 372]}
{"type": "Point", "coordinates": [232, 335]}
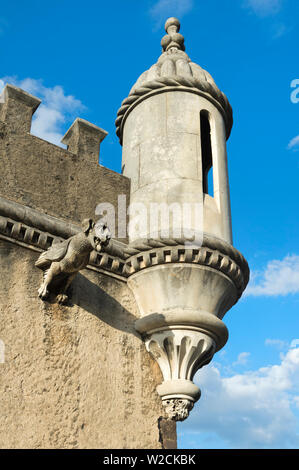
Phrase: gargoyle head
{"type": "Point", "coordinates": [98, 233]}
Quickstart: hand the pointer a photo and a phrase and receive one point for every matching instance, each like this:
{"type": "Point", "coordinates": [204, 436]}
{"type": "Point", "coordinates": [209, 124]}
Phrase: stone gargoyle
{"type": "Point", "coordinates": [62, 261]}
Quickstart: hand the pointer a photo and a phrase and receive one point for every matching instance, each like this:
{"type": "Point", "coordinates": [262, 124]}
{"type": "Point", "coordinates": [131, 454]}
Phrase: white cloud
{"type": "Point", "coordinates": [281, 277]}
{"type": "Point", "coordinates": [264, 7]}
{"type": "Point", "coordinates": [277, 343]}
{"type": "Point", "coordinates": [162, 9]}
{"type": "Point", "coordinates": [242, 359]}
{"type": "Point", "coordinates": [294, 143]}
{"type": "Point", "coordinates": [56, 110]}
{"type": "Point", "coordinates": [250, 410]}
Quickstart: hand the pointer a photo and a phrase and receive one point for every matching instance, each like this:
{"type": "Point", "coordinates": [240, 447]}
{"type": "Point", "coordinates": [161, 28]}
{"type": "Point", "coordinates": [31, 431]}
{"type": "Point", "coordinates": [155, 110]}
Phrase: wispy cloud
{"type": "Point", "coordinates": [264, 8]}
{"type": "Point", "coordinates": [162, 9]}
{"type": "Point", "coordinates": [250, 410]}
{"type": "Point", "coordinates": [280, 29]}
{"type": "Point", "coordinates": [294, 144]}
{"type": "Point", "coordinates": [56, 111]}
{"type": "Point", "coordinates": [280, 277]}
{"type": "Point", "coordinates": [277, 343]}
{"type": "Point", "coordinates": [242, 359]}
{"type": "Point", "coordinates": [270, 10]}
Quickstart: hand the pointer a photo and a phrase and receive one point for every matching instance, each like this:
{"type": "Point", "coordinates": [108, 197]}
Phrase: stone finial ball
{"type": "Point", "coordinates": [172, 22]}
{"type": "Point", "coordinates": [165, 41]}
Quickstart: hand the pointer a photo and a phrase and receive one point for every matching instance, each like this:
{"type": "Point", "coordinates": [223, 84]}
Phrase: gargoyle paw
{"type": "Point", "coordinates": [43, 292]}
{"type": "Point", "coordinates": [62, 298]}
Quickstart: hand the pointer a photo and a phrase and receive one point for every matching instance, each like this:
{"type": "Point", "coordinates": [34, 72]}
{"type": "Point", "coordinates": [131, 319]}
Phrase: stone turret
{"type": "Point", "coordinates": [173, 127]}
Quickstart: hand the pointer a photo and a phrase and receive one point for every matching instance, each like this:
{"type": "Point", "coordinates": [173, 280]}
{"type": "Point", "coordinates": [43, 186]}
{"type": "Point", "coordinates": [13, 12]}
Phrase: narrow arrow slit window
{"type": "Point", "coordinates": [206, 153]}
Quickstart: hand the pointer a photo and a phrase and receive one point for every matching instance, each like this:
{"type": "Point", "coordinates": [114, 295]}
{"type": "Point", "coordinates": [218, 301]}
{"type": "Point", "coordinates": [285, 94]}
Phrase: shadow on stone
{"type": "Point", "coordinates": [96, 301]}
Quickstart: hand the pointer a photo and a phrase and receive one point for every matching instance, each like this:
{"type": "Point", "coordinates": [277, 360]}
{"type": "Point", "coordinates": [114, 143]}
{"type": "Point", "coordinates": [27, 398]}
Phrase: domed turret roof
{"type": "Point", "coordinates": [174, 68]}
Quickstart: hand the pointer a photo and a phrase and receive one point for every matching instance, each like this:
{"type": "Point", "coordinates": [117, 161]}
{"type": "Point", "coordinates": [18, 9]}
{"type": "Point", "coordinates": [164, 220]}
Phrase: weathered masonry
{"type": "Point", "coordinates": [102, 342]}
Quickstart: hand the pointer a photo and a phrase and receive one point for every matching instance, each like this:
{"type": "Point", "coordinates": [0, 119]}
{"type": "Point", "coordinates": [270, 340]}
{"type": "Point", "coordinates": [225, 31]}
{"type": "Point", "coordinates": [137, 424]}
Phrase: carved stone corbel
{"type": "Point", "coordinates": [181, 342]}
{"type": "Point", "coordinates": [182, 295]}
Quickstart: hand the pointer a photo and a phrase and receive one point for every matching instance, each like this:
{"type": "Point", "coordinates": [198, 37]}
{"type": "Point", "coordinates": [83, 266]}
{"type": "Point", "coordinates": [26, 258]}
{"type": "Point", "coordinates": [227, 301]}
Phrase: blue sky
{"type": "Point", "coordinates": [83, 58]}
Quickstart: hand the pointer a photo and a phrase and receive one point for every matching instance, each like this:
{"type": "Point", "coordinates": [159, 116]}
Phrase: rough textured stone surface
{"type": "Point", "coordinates": [74, 376]}
{"type": "Point", "coordinates": [167, 436]}
{"type": "Point", "coordinates": [84, 138]}
{"type": "Point", "coordinates": [78, 375]}
{"type": "Point", "coordinates": [53, 180]}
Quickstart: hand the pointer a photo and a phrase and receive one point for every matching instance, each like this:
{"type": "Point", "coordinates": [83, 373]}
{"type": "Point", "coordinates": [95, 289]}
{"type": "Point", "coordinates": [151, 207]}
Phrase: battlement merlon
{"type": "Point", "coordinates": [84, 139]}
{"type": "Point", "coordinates": [17, 108]}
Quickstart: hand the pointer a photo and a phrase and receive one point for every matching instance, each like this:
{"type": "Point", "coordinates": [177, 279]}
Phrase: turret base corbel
{"type": "Point", "coordinates": [181, 347]}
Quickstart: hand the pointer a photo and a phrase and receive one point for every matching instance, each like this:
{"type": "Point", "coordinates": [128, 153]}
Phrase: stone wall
{"type": "Point", "coordinates": [62, 183]}
{"type": "Point", "coordinates": [78, 375]}
{"type": "Point", "coordinates": [74, 376]}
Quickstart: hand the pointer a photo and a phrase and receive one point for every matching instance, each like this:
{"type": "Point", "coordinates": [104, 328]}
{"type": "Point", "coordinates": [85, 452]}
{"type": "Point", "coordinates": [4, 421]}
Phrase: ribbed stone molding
{"type": "Point", "coordinates": [38, 231]}
{"type": "Point", "coordinates": [181, 343]}
{"type": "Point", "coordinates": [180, 254]}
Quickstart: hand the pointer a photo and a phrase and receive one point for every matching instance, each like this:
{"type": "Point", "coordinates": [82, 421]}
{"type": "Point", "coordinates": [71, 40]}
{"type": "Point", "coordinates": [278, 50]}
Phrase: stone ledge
{"type": "Point", "coordinates": [34, 218]}
{"type": "Point", "coordinates": [38, 240]}
{"type": "Point", "coordinates": [36, 236]}
{"type": "Point", "coordinates": [31, 227]}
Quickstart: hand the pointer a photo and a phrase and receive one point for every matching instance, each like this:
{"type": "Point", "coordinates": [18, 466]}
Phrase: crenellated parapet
{"type": "Point", "coordinates": [66, 183]}
{"type": "Point", "coordinates": [17, 108]}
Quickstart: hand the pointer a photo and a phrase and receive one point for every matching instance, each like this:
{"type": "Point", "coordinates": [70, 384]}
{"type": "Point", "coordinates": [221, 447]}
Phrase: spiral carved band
{"type": "Point", "coordinates": [177, 81]}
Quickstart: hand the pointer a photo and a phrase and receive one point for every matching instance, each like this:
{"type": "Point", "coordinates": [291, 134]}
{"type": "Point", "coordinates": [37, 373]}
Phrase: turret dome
{"type": "Point", "coordinates": [175, 69]}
